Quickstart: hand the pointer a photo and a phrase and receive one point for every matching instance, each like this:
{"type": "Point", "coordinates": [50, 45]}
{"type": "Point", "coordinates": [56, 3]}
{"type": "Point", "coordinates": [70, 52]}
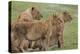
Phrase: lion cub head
{"type": "Point", "coordinates": [30, 14]}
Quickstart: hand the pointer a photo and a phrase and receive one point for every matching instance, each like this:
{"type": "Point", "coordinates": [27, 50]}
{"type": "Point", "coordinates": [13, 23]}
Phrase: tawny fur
{"type": "Point", "coordinates": [57, 29]}
{"type": "Point", "coordinates": [38, 30]}
{"type": "Point", "coordinates": [17, 43]}
{"type": "Point", "coordinates": [30, 14]}
{"type": "Point", "coordinates": [45, 32]}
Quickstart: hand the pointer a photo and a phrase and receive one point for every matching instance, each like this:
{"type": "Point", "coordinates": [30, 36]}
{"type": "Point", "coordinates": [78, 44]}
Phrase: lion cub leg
{"type": "Point", "coordinates": [60, 41]}
{"type": "Point", "coordinates": [24, 45]}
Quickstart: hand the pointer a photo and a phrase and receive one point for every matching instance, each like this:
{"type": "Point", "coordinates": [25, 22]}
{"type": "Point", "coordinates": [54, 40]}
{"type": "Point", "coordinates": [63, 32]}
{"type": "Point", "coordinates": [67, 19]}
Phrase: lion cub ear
{"type": "Point", "coordinates": [32, 8]}
{"type": "Point", "coordinates": [65, 12]}
{"type": "Point", "coordinates": [54, 15]}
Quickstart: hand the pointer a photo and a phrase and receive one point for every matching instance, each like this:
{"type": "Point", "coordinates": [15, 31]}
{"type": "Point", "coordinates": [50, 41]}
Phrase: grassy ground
{"type": "Point", "coordinates": [71, 28]}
